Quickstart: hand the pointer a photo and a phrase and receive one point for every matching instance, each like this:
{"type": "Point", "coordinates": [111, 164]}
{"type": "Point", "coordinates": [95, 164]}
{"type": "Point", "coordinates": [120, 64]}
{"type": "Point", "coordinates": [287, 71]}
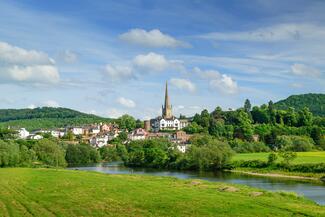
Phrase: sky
{"type": "Point", "coordinates": [110, 58]}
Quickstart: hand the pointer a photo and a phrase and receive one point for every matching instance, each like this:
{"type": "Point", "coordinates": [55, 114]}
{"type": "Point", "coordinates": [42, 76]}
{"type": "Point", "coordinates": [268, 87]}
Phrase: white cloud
{"type": "Point", "coordinates": [304, 70]}
{"type": "Point", "coordinates": [10, 54]}
{"type": "Point", "coordinates": [222, 82]}
{"type": "Point", "coordinates": [225, 84]}
{"type": "Point", "coordinates": [126, 102]}
{"type": "Point", "coordinates": [153, 38]}
{"type": "Point", "coordinates": [26, 66]}
{"type": "Point", "coordinates": [32, 74]}
{"type": "Point", "coordinates": [207, 74]}
{"type": "Point", "coordinates": [183, 84]}
{"type": "Point", "coordinates": [118, 73]}
{"type": "Point", "coordinates": [51, 103]}
{"type": "Point", "coordinates": [157, 62]}
{"type": "Point", "coordinates": [151, 61]}
{"type": "Point", "coordinates": [280, 32]}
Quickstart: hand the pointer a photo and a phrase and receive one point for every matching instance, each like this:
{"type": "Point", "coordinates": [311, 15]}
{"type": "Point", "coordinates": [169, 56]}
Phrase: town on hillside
{"type": "Point", "coordinates": [100, 134]}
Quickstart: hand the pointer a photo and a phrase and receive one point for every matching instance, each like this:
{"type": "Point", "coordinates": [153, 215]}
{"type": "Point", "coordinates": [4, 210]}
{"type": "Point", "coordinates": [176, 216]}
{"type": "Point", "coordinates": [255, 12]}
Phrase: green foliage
{"type": "Point", "coordinates": [272, 158]}
{"type": "Point", "coordinates": [46, 117]}
{"type": "Point", "coordinates": [295, 143]}
{"type": "Point", "coordinates": [241, 146]}
{"type": "Point", "coordinates": [9, 154]}
{"type": "Point", "coordinates": [50, 153]}
{"type": "Point", "coordinates": [314, 102]}
{"type": "Point", "coordinates": [193, 128]}
{"type": "Point", "coordinates": [81, 154]}
{"type": "Point", "coordinates": [287, 156]}
{"type": "Point", "coordinates": [126, 122]}
{"type": "Point", "coordinates": [6, 134]}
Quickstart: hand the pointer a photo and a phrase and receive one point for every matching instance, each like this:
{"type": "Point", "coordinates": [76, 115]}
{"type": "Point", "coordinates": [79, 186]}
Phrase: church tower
{"type": "Point", "coordinates": [167, 108]}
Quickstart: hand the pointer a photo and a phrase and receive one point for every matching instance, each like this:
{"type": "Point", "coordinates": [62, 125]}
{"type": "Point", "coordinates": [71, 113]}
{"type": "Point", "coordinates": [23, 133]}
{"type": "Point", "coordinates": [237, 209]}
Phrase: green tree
{"type": "Point", "coordinates": [126, 122]}
{"type": "Point", "coordinates": [305, 117]}
{"type": "Point", "coordinates": [287, 156]}
{"type": "Point", "coordinates": [244, 128]}
{"type": "Point", "coordinates": [9, 154]}
{"type": "Point", "coordinates": [50, 153]}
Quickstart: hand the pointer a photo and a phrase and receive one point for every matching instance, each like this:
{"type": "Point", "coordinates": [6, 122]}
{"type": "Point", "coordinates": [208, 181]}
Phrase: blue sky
{"type": "Point", "coordinates": [113, 57]}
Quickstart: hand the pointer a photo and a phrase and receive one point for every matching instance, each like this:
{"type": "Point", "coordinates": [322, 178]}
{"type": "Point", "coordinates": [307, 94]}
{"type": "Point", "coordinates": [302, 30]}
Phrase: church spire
{"type": "Point", "coordinates": [167, 109]}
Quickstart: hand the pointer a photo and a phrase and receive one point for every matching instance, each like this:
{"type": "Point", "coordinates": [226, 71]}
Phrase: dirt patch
{"type": "Point", "coordinates": [229, 189]}
{"type": "Point", "coordinates": [256, 194]}
{"type": "Point", "coordinates": [195, 183]}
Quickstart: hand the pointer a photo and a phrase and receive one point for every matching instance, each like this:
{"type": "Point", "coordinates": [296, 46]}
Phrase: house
{"type": "Point", "coordinates": [23, 133]}
{"type": "Point", "coordinates": [181, 137]}
{"type": "Point", "coordinates": [95, 130]}
{"type": "Point", "coordinates": [182, 147]}
{"type": "Point", "coordinates": [77, 130]}
{"type": "Point", "coordinates": [55, 133]}
{"type": "Point", "coordinates": [99, 141]}
{"type": "Point", "coordinates": [138, 134]}
{"type": "Point", "coordinates": [35, 136]}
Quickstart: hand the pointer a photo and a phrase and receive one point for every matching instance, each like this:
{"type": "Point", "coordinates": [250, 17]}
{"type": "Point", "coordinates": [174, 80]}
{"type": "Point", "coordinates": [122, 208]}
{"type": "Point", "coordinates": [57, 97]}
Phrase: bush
{"type": "Point", "coordinates": [240, 146]}
{"type": "Point", "coordinates": [9, 154]}
{"type": "Point", "coordinates": [295, 143]}
{"type": "Point", "coordinates": [50, 153]}
{"type": "Point", "coordinates": [81, 154]}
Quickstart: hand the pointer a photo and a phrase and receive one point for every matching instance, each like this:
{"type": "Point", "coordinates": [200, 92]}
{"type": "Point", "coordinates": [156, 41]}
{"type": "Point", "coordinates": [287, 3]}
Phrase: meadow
{"type": "Point", "coordinates": [51, 192]}
{"type": "Point", "coordinates": [302, 157]}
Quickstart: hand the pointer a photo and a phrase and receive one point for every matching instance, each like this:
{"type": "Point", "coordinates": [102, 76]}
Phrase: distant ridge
{"type": "Point", "coordinates": [314, 101]}
{"type": "Point", "coordinates": [46, 117]}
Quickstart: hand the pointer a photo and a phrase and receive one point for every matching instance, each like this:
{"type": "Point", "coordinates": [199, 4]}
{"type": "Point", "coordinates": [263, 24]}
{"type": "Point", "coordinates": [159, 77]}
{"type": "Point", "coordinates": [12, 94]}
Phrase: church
{"type": "Point", "coordinates": [167, 121]}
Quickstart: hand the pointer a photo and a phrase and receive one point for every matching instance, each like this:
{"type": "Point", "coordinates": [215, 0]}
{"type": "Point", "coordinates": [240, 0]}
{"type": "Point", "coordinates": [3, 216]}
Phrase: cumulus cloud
{"type": "Point", "coordinates": [225, 84]}
{"type": "Point", "coordinates": [153, 38]}
{"type": "Point", "coordinates": [221, 82]}
{"type": "Point", "coordinates": [304, 70]}
{"type": "Point", "coordinates": [280, 32]}
{"type": "Point", "coordinates": [183, 84]}
{"type": "Point", "coordinates": [126, 102]}
{"type": "Point", "coordinates": [157, 62]}
{"type": "Point", "coordinates": [18, 65]}
{"type": "Point", "coordinates": [118, 73]}
{"type": "Point", "coordinates": [151, 61]}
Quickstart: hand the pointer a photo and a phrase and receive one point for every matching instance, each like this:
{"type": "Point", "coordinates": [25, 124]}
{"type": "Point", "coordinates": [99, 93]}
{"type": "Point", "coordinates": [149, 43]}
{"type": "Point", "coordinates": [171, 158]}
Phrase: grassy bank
{"type": "Point", "coordinates": [49, 192]}
{"type": "Point", "coordinates": [302, 157]}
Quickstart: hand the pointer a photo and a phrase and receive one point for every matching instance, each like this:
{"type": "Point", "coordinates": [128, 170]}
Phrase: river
{"type": "Point", "coordinates": [312, 190]}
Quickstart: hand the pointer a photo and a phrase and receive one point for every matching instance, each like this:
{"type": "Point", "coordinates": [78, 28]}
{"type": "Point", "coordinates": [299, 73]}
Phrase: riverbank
{"type": "Point", "coordinates": [279, 174]}
{"type": "Point", "coordinates": [51, 192]}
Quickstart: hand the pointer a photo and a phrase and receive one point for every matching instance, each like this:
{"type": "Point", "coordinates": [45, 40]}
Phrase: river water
{"type": "Point", "coordinates": [312, 190]}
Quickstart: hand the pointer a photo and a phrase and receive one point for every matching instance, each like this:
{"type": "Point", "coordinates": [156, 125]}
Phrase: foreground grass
{"type": "Point", "coordinates": [49, 192]}
{"type": "Point", "coordinates": [302, 157]}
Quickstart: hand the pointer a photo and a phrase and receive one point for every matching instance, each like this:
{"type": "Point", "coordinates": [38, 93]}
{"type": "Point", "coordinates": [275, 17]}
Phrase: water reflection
{"type": "Point", "coordinates": [311, 190]}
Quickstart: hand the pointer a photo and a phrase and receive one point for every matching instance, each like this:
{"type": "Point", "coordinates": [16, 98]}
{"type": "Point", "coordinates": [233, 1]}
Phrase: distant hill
{"type": "Point", "coordinates": [315, 103]}
{"type": "Point", "coordinates": [46, 117]}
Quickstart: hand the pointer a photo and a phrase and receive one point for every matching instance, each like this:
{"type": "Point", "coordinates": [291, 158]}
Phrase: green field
{"type": "Point", "coordinates": [50, 192]}
{"type": "Point", "coordinates": [302, 157]}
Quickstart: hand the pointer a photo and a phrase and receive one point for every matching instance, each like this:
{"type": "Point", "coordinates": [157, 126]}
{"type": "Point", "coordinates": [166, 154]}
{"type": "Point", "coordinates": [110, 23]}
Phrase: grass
{"type": "Point", "coordinates": [50, 192]}
{"type": "Point", "coordinates": [302, 157]}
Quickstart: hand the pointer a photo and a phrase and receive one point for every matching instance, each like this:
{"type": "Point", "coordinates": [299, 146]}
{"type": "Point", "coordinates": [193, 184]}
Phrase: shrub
{"type": "Point", "coordinates": [240, 146]}
{"type": "Point", "coordinates": [295, 143]}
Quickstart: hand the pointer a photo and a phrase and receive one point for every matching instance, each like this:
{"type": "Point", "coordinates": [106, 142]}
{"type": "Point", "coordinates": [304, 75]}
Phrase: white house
{"type": "Point", "coordinates": [95, 130]}
{"type": "Point", "coordinates": [35, 137]}
{"type": "Point", "coordinates": [23, 133]}
{"type": "Point", "coordinates": [99, 141]}
{"type": "Point", "coordinates": [55, 133]}
{"type": "Point", "coordinates": [182, 147]}
{"type": "Point", "coordinates": [138, 134]}
{"type": "Point", "coordinates": [77, 130]}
